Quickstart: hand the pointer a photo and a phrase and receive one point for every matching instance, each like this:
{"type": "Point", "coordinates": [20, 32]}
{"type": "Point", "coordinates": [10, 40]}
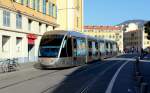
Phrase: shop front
{"type": "Point", "coordinates": [31, 47]}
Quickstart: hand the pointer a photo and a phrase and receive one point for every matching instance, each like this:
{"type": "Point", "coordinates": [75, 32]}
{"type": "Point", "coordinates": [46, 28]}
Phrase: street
{"type": "Point", "coordinates": [108, 76]}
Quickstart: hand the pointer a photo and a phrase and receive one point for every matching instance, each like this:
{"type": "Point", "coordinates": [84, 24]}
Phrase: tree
{"type": "Point", "coordinates": [147, 29]}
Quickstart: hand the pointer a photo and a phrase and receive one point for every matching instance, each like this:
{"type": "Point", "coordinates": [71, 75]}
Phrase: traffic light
{"type": "Point", "coordinates": [147, 29]}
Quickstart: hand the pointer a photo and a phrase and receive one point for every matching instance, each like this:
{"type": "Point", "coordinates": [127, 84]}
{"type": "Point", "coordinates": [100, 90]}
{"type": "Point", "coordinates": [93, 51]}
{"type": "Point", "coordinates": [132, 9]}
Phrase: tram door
{"type": "Point", "coordinates": [69, 47]}
{"type": "Point", "coordinates": [31, 52]}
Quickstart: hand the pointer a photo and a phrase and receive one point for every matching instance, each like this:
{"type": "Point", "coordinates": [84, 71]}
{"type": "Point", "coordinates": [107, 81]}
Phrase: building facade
{"type": "Point", "coordinates": [135, 38]}
{"type": "Point", "coordinates": [22, 23]}
{"type": "Point", "coordinates": [70, 15]}
{"type": "Point", "coordinates": [114, 33]}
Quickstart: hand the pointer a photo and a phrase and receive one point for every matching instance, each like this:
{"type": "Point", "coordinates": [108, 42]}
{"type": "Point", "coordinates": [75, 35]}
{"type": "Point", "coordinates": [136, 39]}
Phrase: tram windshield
{"type": "Point", "coordinates": [50, 45]}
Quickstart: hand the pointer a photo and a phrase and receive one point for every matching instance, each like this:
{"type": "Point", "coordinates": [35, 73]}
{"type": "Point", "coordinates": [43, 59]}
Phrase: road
{"type": "Point", "coordinates": [109, 76]}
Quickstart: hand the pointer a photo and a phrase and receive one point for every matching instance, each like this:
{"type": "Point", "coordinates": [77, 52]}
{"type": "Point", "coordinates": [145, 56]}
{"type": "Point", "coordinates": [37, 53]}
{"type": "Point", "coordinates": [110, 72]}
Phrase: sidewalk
{"type": "Point", "coordinates": [127, 82]}
{"type": "Point", "coordinates": [27, 71]}
{"type": "Point", "coordinates": [23, 66]}
{"type": "Point", "coordinates": [145, 72]}
{"type": "Point", "coordinates": [146, 57]}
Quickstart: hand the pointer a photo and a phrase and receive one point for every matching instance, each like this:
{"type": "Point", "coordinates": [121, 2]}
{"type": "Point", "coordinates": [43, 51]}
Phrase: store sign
{"type": "Point", "coordinates": [31, 38]}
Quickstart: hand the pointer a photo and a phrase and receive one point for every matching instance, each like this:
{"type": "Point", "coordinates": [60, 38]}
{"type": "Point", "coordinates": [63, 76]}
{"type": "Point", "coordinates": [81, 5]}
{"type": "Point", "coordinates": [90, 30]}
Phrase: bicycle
{"type": "Point", "coordinates": [4, 65]}
{"type": "Point", "coordinates": [13, 65]}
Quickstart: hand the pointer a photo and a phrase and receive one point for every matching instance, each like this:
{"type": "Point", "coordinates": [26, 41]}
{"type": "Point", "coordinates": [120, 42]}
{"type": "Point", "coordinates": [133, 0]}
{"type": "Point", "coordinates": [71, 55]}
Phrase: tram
{"type": "Point", "coordinates": [59, 49]}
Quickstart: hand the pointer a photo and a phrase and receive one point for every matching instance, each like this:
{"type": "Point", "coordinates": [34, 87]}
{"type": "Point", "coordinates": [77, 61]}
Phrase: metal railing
{"type": "Point", "coordinates": [141, 85]}
{"type": "Point", "coordinates": [9, 65]}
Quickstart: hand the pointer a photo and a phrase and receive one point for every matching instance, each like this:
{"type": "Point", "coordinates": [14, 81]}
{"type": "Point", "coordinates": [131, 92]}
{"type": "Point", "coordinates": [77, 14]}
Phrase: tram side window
{"type": "Point", "coordinates": [107, 49]}
{"type": "Point", "coordinates": [96, 46]}
{"type": "Point", "coordinates": [75, 47]}
{"type": "Point", "coordinates": [81, 47]}
{"type": "Point", "coordinates": [75, 43]}
{"type": "Point", "coordinates": [111, 46]}
{"type": "Point", "coordinates": [101, 47]}
{"type": "Point", "coordinates": [90, 46]}
{"type": "Point", "coordinates": [107, 45]}
{"type": "Point", "coordinates": [64, 49]}
{"type": "Point", "coordinates": [69, 47]}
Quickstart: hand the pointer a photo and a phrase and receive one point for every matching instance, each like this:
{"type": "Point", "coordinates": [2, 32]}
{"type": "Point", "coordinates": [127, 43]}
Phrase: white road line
{"type": "Point", "coordinates": [110, 86]}
{"type": "Point", "coordinates": [128, 59]}
{"type": "Point", "coordinates": [90, 83]}
{"type": "Point", "coordinates": [145, 61]}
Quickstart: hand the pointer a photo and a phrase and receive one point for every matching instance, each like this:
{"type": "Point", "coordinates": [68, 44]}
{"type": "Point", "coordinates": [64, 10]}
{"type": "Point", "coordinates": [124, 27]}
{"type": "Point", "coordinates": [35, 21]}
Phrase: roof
{"type": "Point", "coordinates": [102, 27]}
{"type": "Point", "coordinates": [63, 32]}
{"type": "Point", "coordinates": [75, 34]}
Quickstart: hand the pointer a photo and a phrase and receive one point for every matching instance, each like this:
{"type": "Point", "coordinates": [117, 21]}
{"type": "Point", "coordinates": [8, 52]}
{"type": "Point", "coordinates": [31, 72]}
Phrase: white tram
{"type": "Point", "coordinates": [68, 48]}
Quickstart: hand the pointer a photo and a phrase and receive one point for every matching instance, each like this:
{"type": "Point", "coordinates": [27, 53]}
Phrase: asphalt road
{"type": "Point", "coordinates": [110, 76]}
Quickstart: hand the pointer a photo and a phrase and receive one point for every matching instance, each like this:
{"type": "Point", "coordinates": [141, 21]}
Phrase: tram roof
{"type": "Point", "coordinates": [76, 34]}
{"type": "Point", "coordinates": [63, 32]}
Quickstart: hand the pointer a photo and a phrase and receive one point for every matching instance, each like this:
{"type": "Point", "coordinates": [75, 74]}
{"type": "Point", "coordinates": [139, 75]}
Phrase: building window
{"type": "Point", "coordinates": [40, 26]}
{"type": "Point", "coordinates": [109, 36]}
{"type": "Point", "coordinates": [6, 18]}
{"type": "Point", "coordinates": [22, 2]}
{"type": "Point", "coordinates": [44, 6]}
{"type": "Point", "coordinates": [33, 4]}
{"type": "Point", "coordinates": [46, 27]}
{"type": "Point", "coordinates": [5, 43]}
{"type": "Point", "coordinates": [77, 21]}
{"type": "Point", "coordinates": [50, 9]}
{"type": "Point", "coordinates": [18, 1]}
{"type": "Point", "coordinates": [54, 10]}
{"type": "Point", "coordinates": [120, 36]}
{"type": "Point", "coordinates": [18, 44]}
{"type": "Point", "coordinates": [27, 3]}
{"type": "Point", "coordinates": [18, 21]}
{"type": "Point", "coordinates": [113, 36]}
{"type": "Point", "coordinates": [37, 5]}
{"type": "Point", "coordinates": [29, 24]}
{"type": "Point", "coordinates": [78, 5]}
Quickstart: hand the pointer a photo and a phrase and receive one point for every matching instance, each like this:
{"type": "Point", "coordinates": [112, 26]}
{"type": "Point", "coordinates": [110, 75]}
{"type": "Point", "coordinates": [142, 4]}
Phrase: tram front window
{"type": "Point", "coordinates": [50, 45]}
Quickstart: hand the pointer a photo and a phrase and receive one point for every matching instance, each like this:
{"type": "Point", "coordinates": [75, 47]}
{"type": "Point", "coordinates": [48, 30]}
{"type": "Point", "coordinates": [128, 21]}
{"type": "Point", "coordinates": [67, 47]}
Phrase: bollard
{"type": "Point", "coordinates": [137, 60]}
{"type": "Point", "coordinates": [137, 73]}
{"type": "Point", "coordinates": [137, 65]}
{"type": "Point", "coordinates": [144, 88]}
{"type": "Point", "coordinates": [139, 80]}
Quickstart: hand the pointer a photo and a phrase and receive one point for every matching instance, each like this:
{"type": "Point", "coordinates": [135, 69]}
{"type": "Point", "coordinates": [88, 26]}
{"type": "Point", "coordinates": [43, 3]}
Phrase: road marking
{"type": "Point", "coordinates": [90, 83]}
{"type": "Point", "coordinates": [128, 59]}
{"type": "Point", "coordinates": [145, 61]}
{"type": "Point", "coordinates": [110, 86]}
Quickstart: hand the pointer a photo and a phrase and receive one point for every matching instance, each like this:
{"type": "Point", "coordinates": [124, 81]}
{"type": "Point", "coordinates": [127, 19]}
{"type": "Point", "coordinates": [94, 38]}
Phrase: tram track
{"type": "Point", "coordinates": [87, 68]}
{"type": "Point", "coordinates": [32, 78]}
{"type": "Point", "coordinates": [90, 83]}
{"type": "Point", "coordinates": [22, 81]}
{"type": "Point", "coordinates": [78, 74]}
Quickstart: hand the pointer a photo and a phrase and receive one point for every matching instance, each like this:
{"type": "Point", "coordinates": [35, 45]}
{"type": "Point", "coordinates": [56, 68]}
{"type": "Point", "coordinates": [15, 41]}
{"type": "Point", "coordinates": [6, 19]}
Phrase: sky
{"type": "Point", "coordinates": [113, 12]}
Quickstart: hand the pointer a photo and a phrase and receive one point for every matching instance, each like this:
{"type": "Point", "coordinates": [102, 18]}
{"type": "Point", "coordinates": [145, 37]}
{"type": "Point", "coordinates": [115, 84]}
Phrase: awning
{"type": "Point", "coordinates": [31, 38]}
